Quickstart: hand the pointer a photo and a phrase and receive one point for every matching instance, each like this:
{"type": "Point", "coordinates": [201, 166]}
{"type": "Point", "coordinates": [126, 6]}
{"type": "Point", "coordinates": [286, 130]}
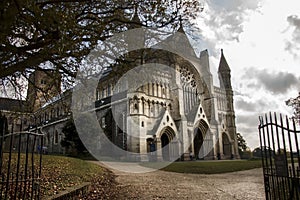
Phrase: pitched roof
{"type": "Point", "coordinates": [178, 43]}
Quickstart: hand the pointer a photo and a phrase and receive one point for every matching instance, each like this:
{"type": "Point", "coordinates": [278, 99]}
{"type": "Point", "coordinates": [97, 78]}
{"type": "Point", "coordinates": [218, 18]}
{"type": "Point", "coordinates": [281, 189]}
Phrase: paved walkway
{"type": "Point", "coordinates": [241, 185]}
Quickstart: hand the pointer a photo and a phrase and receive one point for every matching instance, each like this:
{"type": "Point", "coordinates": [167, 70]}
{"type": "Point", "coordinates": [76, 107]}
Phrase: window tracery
{"type": "Point", "coordinates": [189, 87]}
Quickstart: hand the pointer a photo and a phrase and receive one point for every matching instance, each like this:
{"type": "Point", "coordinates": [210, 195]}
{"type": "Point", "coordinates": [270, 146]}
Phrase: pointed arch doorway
{"type": "Point", "coordinates": [226, 146]}
{"type": "Point", "coordinates": [169, 144]}
{"type": "Point", "coordinates": [198, 142]}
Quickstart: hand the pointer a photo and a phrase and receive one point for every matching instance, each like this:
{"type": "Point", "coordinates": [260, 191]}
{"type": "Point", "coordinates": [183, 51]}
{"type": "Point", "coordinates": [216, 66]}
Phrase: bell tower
{"type": "Point", "coordinates": [42, 86]}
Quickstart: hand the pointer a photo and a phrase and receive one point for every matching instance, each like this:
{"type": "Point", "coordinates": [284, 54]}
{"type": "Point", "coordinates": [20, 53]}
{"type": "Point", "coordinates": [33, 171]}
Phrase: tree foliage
{"type": "Point", "coordinates": [57, 34]}
{"type": "Point", "coordinates": [71, 140]}
{"type": "Point", "coordinates": [295, 104]}
{"type": "Point", "coordinates": [242, 145]}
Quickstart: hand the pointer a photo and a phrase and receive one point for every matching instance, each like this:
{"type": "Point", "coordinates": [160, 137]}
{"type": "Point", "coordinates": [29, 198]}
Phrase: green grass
{"type": "Point", "coordinates": [207, 167]}
{"type": "Point", "coordinates": [58, 172]}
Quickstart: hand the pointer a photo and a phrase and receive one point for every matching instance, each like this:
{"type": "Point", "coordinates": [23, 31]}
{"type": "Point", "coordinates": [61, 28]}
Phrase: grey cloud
{"type": "Point", "coordinates": [251, 136]}
{"type": "Point", "coordinates": [225, 19]}
{"type": "Point", "coordinates": [251, 106]}
{"type": "Point", "coordinates": [246, 106]}
{"type": "Point", "coordinates": [232, 5]}
{"type": "Point", "coordinates": [247, 126]}
{"type": "Point", "coordinates": [248, 120]}
{"type": "Point", "coordinates": [294, 20]}
{"type": "Point", "coordinates": [276, 82]}
{"type": "Point", "coordinates": [293, 45]}
{"type": "Point", "coordinates": [228, 16]}
{"type": "Point", "coordinates": [247, 130]}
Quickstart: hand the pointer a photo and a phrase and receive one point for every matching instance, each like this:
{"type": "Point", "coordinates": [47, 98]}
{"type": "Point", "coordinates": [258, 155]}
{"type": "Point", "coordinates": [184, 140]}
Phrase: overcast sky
{"type": "Point", "coordinates": [261, 42]}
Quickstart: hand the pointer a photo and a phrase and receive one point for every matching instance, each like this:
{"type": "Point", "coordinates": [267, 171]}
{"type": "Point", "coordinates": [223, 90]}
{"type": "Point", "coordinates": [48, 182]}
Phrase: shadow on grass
{"type": "Point", "coordinates": [206, 167]}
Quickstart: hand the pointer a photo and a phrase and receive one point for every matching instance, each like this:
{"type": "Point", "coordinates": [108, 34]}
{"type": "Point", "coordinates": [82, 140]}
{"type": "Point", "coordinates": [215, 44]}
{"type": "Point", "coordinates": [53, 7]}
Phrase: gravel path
{"type": "Point", "coordinates": [168, 185]}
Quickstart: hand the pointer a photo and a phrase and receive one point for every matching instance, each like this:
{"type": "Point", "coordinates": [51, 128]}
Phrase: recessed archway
{"type": "Point", "coordinates": [168, 144]}
{"type": "Point", "coordinates": [198, 142]}
{"type": "Point", "coordinates": [226, 146]}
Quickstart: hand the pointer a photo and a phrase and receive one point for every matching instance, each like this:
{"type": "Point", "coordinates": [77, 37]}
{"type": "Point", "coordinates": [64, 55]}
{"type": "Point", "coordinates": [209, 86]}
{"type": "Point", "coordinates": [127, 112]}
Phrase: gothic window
{"type": "Point", "coordinates": [108, 90]}
{"type": "Point", "coordinates": [103, 93]}
{"type": "Point", "coordinates": [153, 88]}
{"type": "Point", "coordinates": [152, 109]}
{"type": "Point", "coordinates": [188, 82]}
{"type": "Point", "coordinates": [56, 137]}
{"type": "Point", "coordinates": [220, 117]}
{"type": "Point", "coordinates": [163, 92]}
{"type": "Point", "coordinates": [97, 95]}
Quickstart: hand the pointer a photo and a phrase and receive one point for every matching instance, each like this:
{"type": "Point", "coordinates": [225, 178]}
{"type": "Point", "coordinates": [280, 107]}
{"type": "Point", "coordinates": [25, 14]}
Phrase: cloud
{"type": "Point", "coordinates": [250, 134]}
{"type": "Point", "coordinates": [222, 22]}
{"type": "Point", "coordinates": [256, 106]}
{"type": "Point", "coordinates": [226, 18]}
{"type": "Point", "coordinates": [248, 120]}
{"type": "Point", "coordinates": [294, 20]}
{"type": "Point", "coordinates": [292, 45]}
{"type": "Point", "coordinates": [275, 82]}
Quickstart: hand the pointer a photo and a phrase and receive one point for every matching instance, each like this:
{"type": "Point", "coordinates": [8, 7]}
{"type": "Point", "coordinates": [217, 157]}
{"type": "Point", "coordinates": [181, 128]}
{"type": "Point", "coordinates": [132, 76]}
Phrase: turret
{"type": "Point", "coordinates": [224, 73]}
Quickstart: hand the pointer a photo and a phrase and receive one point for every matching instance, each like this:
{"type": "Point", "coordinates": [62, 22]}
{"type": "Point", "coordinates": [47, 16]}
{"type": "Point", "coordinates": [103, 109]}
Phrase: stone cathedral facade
{"type": "Point", "coordinates": [174, 114]}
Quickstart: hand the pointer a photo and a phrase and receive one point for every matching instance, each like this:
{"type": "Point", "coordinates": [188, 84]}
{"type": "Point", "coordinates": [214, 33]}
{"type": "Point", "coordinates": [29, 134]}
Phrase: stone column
{"type": "Point", "coordinates": [150, 89]}
{"type": "Point", "coordinates": [154, 89]}
{"type": "Point", "coordinates": [221, 145]}
{"type": "Point", "coordinates": [143, 149]}
{"type": "Point", "coordinates": [159, 150]}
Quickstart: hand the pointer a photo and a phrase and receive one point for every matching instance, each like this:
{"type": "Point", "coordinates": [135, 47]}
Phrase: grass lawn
{"type": "Point", "coordinates": [60, 173]}
{"type": "Point", "coordinates": [207, 167]}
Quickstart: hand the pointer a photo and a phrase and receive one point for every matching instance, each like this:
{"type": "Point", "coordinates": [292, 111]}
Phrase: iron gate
{"type": "Point", "coordinates": [20, 163]}
{"type": "Point", "coordinates": [279, 145]}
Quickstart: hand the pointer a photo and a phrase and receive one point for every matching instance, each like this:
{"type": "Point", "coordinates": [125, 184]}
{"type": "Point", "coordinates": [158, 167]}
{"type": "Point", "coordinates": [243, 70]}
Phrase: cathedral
{"type": "Point", "coordinates": [171, 114]}
{"type": "Point", "coordinates": [175, 113]}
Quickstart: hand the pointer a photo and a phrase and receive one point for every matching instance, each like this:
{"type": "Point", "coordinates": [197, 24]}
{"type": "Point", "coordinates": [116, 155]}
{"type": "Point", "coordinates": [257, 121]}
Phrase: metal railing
{"type": "Point", "coordinates": [20, 164]}
{"type": "Point", "coordinates": [279, 146]}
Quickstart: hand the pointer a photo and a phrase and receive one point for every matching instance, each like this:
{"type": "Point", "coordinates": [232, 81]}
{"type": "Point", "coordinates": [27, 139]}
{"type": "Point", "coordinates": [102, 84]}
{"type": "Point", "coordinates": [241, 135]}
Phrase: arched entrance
{"type": "Point", "coordinates": [168, 144]}
{"type": "Point", "coordinates": [198, 142]}
{"type": "Point", "coordinates": [226, 146]}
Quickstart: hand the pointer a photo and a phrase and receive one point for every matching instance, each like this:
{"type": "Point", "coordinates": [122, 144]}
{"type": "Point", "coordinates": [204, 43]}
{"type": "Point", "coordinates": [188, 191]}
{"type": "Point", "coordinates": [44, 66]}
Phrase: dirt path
{"type": "Point", "coordinates": [168, 185]}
